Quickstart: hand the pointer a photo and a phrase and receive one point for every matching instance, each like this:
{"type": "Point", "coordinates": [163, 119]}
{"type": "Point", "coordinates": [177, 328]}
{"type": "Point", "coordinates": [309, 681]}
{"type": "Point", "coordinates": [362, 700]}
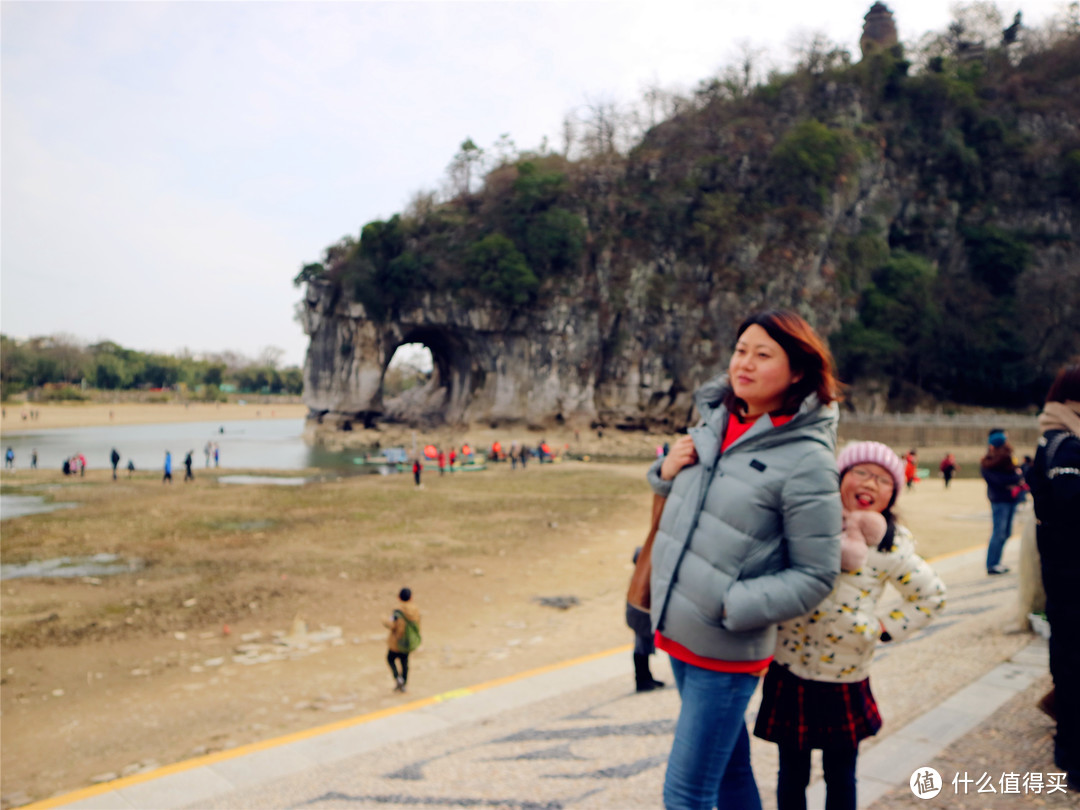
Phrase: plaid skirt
{"type": "Point", "coordinates": [815, 714]}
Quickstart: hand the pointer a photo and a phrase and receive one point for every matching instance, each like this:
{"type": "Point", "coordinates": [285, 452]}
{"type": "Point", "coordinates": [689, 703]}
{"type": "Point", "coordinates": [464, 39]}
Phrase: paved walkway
{"type": "Point", "coordinates": [958, 698]}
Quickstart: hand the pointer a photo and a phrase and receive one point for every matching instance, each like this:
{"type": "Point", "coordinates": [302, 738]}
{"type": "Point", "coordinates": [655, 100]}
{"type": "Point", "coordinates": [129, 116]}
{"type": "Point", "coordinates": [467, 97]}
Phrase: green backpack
{"type": "Point", "coordinates": [410, 640]}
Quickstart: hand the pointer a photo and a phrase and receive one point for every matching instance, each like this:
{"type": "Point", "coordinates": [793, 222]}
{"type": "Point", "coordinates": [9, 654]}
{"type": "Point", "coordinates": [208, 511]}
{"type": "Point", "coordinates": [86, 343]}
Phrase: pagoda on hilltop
{"type": "Point", "coordinates": [879, 30]}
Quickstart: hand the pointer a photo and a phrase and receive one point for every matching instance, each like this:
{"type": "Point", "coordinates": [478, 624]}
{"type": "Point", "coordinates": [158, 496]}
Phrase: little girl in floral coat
{"type": "Point", "coordinates": [817, 690]}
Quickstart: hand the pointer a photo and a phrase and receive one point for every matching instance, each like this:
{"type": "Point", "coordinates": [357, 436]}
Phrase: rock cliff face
{"type": "Point", "coordinates": [489, 366]}
{"type": "Point", "coordinates": [623, 345]}
{"type": "Point", "coordinates": [710, 218]}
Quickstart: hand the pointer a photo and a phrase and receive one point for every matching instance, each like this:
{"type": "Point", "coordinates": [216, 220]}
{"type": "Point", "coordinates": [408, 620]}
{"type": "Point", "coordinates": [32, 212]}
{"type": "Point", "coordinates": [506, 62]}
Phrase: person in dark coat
{"type": "Point", "coordinates": [1002, 488]}
{"type": "Point", "coordinates": [948, 468]}
{"type": "Point", "coordinates": [188, 474]}
{"type": "Point", "coordinates": [114, 457]}
{"type": "Point", "coordinates": [640, 622]}
{"type": "Point", "coordinates": [1055, 489]}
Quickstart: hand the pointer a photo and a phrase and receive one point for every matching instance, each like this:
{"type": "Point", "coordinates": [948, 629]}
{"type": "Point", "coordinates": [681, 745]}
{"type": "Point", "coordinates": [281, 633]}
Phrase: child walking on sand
{"type": "Point", "coordinates": [404, 625]}
{"type": "Point", "coordinates": [816, 693]}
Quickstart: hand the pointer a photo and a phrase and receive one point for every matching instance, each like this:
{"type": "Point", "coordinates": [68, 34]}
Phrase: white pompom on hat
{"type": "Point", "coordinates": [872, 453]}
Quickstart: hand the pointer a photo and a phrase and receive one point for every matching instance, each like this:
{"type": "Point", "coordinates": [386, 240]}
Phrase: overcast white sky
{"type": "Point", "coordinates": [167, 168]}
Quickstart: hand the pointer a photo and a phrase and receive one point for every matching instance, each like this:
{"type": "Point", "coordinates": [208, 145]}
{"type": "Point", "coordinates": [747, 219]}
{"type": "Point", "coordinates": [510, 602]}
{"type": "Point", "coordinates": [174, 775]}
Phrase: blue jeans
{"type": "Point", "coordinates": [709, 764]}
{"type": "Point", "coordinates": [1002, 515]}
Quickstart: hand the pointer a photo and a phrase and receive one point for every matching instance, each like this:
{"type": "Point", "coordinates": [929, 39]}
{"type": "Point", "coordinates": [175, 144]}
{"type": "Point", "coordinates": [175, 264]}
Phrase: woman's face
{"type": "Point", "coordinates": [760, 372]}
{"type": "Point", "coordinates": [866, 486]}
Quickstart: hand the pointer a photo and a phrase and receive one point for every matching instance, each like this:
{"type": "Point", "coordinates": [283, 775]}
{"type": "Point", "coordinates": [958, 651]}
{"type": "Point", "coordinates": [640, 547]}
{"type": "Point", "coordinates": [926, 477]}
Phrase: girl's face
{"type": "Point", "coordinates": [760, 372]}
{"type": "Point", "coordinates": [866, 486]}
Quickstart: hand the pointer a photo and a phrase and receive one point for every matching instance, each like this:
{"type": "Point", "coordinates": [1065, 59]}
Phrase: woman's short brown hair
{"type": "Point", "coordinates": [807, 353]}
{"type": "Point", "coordinates": [1066, 385]}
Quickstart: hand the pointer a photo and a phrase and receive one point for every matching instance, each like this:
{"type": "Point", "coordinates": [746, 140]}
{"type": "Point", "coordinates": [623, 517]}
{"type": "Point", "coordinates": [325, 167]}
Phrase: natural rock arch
{"type": "Point", "coordinates": [447, 390]}
{"type": "Point", "coordinates": [489, 365]}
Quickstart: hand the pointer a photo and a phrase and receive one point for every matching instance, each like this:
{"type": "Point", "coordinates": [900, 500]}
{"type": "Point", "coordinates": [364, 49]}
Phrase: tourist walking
{"type": "Point", "coordinates": [1055, 490]}
{"type": "Point", "coordinates": [33, 459]}
{"type": "Point", "coordinates": [168, 468]}
{"type": "Point", "coordinates": [749, 537]}
{"type": "Point", "coordinates": [948, 468]}
{"type": "Point", "coordinates": [188, 474]}
{"type": "Point", "coordinates": [404, 638]}
{"type": "Point", "coordinates": [1003, 480]}
{"type": "Point", "coordinates": [817, 691]}
{"type": "Point", "coordinates": [114, 457]}
{"type": "Point", "coordinates": [911, 470]}
{"type": "Point", "coordinates": [9, 459]}
{"type": "Point", "coordinates": [417, 467]}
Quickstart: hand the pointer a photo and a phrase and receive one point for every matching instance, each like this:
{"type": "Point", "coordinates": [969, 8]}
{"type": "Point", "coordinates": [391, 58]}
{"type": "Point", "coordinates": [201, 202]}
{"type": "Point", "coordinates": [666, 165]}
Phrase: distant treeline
{"type": "Point", "coordinates": [53, 362]}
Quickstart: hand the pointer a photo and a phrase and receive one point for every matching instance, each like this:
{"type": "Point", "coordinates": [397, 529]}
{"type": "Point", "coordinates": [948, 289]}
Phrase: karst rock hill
{"type": "Point", "coordinates": [923, 214]}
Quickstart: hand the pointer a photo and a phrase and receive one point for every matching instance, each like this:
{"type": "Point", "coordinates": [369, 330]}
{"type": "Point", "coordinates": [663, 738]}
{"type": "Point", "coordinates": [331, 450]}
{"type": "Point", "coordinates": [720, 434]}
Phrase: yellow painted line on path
{"type": "Point", "coordinates": [263, 745]}
{"type": "Point", "coordinates": [948, 555]}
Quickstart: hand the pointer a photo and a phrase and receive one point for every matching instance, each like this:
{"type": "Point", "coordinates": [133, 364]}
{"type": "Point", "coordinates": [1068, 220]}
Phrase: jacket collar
{"type": "Point", "coordinates": [811, 420]}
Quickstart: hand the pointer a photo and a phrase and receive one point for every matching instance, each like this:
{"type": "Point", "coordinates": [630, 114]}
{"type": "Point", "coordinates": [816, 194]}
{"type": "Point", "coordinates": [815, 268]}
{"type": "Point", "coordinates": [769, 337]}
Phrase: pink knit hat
{"type": "Point", "coordinates": [872, 453]}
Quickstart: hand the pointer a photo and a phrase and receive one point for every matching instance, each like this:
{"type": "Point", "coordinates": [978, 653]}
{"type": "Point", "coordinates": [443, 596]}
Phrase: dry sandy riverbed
{"type": "Point", "coordinates": [93, 414]}
{"type": "Point", "coordinates": [202, 648]}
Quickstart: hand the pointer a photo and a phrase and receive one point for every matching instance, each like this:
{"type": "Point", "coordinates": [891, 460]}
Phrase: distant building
{"type": "Point", "coordinates": [879, 30]}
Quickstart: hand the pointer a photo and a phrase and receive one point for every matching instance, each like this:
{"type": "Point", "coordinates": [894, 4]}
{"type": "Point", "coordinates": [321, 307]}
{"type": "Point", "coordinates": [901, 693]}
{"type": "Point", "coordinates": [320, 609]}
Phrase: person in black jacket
{"type": "Point", "coordinates": [639, 621]}
{"type": "Point", "coordinates": [1002, 487]}
{"type": "Point", "coordinates": [1055, 488]}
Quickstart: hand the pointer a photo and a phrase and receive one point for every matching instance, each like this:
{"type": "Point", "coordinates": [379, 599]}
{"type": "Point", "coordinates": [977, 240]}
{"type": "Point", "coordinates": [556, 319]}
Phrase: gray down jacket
{"type": "Point", "coordinates": [750, 537]}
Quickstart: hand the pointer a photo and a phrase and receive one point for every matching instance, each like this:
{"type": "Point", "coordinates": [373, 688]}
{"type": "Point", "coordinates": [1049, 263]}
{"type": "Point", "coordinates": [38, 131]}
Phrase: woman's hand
{"type": "Point", "coordinates": [682, 454]}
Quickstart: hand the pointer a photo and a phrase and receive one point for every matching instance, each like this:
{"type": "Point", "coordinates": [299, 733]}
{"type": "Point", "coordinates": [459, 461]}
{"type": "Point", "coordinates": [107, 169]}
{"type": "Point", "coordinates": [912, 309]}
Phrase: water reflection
{"type": "Point", "coordinates": [13, 506]}
{"type": "Point", "coordinates": [96, 565]}
{"type": "Point", "coordinates": [258, 444]}
{"type": "Point", "coordinates": [263, 479]}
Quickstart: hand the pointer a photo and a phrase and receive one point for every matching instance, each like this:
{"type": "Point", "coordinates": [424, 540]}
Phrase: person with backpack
{"type": "Point", "coordinates": [404, 638]}
{"type": "Point", "coordinates": [1055, 489]}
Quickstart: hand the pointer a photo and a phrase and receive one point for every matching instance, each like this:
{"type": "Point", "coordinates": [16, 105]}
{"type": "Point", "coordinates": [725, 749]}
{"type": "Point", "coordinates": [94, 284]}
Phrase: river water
{"type": "Point", "coordinates": [255, 444]}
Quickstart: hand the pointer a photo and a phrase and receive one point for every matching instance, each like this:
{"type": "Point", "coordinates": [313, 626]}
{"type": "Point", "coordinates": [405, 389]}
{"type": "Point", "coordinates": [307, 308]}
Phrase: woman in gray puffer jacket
{"type": "Point", "coordinates": [749, 537]}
